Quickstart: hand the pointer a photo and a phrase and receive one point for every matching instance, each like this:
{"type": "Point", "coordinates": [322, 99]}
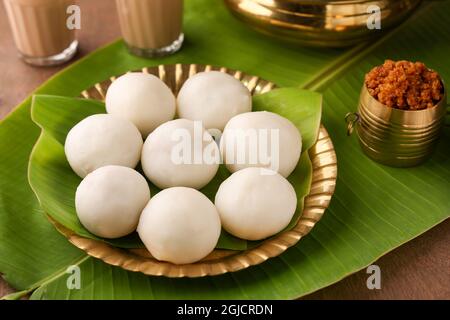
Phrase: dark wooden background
{"type": "Point", "coordinates": [419, 269]}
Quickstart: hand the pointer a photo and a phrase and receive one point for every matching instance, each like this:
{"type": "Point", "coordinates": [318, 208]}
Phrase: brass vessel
{"type": "Point", "coordinates": [322, 23]}
{"type": "Point", "coordinates": [394, 137]}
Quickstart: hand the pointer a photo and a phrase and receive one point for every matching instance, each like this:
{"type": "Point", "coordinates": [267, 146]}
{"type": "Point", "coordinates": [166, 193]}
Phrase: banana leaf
{"type": "Point", "coordinates": [374, 208]}
{"type": "Point", "coordinates": [54, 182]}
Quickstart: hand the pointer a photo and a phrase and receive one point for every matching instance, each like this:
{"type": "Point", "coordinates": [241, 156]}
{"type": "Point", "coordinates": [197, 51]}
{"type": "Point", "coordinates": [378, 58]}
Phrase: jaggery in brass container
{"type": "Point", "coordinates": [394, 137]}
{"type": "Point", "coordinates": [323, 23]}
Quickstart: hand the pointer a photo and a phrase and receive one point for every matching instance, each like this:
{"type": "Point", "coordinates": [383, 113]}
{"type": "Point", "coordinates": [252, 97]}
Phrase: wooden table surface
{"type": "Point", "coordinates": [420, 269]}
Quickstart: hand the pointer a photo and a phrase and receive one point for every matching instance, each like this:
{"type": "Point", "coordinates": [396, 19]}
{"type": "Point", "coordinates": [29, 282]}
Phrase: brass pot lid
{"type": "Point", "coordinates": [321, 23]}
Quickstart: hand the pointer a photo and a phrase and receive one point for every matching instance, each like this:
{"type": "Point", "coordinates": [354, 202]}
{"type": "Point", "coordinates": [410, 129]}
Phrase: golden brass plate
{"type": "Point", "coordinates": [323, 159]}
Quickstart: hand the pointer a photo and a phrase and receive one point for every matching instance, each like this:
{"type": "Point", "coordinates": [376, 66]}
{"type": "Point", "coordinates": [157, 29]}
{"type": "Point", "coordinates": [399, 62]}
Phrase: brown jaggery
{"type": "Point", "coordinates": [405, 85]}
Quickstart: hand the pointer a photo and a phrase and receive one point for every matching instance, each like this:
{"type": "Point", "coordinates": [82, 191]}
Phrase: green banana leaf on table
{"type": "Point", "coordinates": [374, 209]}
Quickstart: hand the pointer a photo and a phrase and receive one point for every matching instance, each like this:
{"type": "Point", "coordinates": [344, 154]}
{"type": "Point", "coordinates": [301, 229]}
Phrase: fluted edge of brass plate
{"type": "Point", "coordinates": [324, 164]}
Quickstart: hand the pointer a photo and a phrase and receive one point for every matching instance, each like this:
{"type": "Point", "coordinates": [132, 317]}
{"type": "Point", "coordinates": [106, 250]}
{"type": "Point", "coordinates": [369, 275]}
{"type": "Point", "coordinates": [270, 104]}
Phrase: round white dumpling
{"type": "Point", "coordinates": [110, 200]}
{"type": "Point", "coordinates": [214, 98]}
{"type": "Point", "coordinates": [180, 153]}
{"type": "Point", "coordinates": [101, 140]}
{"type": "Point", "coordinates": [141, 98]}
{"type": "Point", "coordinates": [179, 225]}
{"type": "Point", "coordinates": [254, 204]}
{"type": "Point", "coordinates": [261, 139]}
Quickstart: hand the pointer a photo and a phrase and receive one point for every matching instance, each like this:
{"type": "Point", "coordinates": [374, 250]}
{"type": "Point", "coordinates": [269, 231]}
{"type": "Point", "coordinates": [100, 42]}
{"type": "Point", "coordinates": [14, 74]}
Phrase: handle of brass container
{"type": "Point", "coordinates": [351, 118]}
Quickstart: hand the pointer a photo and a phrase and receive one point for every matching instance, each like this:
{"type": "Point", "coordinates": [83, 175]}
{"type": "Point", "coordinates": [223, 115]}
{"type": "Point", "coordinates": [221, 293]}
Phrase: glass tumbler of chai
{"type": "Point", "coordinates": [40, 30]}
{"type": "Point", "coordinates": [151, 28]}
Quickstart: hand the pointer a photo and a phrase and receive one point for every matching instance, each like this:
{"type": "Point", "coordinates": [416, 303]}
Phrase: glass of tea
{"type": "Point", "coordinates": [41, 31]}
{"type": "Point", "coordinates": [151, 28]}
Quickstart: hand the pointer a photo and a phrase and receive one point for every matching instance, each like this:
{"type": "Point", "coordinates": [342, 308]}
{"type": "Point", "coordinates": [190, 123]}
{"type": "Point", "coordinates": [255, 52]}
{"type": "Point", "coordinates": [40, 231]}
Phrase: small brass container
{"type": "Point", "coordinates": [394, 137]}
